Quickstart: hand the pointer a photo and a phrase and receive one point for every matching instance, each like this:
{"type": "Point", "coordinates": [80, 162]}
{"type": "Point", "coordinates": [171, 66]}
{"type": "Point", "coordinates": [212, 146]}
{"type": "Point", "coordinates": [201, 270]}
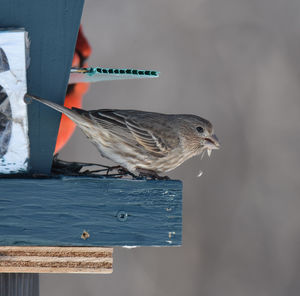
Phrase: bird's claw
{"type": "Point", "coordinates": [151, 175]}
{"type": "Point", "coordinates": [121, 171]}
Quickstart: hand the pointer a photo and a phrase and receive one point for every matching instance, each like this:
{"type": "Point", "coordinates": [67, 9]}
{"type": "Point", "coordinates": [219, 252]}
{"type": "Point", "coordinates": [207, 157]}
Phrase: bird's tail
{"type": "Point", "coordinates": [72, 114]}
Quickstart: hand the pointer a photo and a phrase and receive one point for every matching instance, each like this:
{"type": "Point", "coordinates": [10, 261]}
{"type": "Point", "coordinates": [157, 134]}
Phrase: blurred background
{"type": "Point", "coordinates": [236, 63]}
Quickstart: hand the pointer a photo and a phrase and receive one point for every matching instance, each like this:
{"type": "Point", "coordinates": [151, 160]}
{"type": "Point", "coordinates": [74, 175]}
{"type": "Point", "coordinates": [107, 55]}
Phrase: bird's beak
{"type": "Point", "coordinates": [212, 142]}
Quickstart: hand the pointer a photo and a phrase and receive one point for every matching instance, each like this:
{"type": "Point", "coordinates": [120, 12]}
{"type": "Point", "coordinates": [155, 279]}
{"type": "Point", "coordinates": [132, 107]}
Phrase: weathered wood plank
{"type": "Point", "coordinates": [82, 211]}
{"type": "Point", "coordinates": [56, 259]}
{"type": "Point", "coordinates": [52, 27]}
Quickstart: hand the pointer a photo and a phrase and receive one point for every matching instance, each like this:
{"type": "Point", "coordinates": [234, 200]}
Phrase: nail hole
{"type": "Point", "coordinates": [85, 235]}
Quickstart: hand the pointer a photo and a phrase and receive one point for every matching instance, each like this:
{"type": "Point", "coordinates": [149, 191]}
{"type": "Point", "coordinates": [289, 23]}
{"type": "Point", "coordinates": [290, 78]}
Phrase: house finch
{"type": "Point", "coordinates": [144, 143]}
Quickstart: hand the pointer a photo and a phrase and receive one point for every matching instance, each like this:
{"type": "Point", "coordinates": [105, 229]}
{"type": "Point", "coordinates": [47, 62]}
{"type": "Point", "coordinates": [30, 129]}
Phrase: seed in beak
{"type": "Point", "coordinates": [209, 152]}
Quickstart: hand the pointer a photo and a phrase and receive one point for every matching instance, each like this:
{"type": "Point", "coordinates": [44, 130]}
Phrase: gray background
{"type": "Point", "coordinates": [236, 63]}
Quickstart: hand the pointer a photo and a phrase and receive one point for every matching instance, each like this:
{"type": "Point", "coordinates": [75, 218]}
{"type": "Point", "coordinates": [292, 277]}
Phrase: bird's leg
{"type": "Point", "coordinates": [68, 167]}
{"type": "Point", "coordinates": [144, 173]}
{"type": "Point", "coordinates": [121, 171]}
{"type": "Point", "coordinates": [112, 168]}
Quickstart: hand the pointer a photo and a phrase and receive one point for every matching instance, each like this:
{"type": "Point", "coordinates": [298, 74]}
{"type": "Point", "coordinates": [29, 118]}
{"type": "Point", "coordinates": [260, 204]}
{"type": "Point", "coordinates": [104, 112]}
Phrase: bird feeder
{"type": "Point", "coordinates": [60, 223]}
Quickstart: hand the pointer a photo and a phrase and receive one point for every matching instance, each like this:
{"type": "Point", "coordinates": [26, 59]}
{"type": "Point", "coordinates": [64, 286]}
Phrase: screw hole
{"type": "Point", "coordinates": [122, 216]}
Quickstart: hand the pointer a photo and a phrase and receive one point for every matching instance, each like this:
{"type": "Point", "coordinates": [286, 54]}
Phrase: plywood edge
{"type": "Point", "coordinates": [56, 259]}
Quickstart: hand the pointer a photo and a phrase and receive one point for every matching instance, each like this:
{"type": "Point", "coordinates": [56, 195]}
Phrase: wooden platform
{"type": "Point", "coordinates": [55, 260]}
{"type": "Point", "coordinates": [86, 211]}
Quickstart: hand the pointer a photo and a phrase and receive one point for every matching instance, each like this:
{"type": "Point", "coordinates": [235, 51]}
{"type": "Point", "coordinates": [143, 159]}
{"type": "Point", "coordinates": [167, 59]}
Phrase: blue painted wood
{"type": "Point", "coordinates": [112, 212]}
{"type": "Point", "coordinates": [52, 26]}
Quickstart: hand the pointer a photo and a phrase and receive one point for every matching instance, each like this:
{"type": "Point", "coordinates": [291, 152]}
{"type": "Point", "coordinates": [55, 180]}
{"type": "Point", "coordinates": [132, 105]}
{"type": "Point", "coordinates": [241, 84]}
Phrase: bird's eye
{"type": "Point", "coordinates": [200, 129]}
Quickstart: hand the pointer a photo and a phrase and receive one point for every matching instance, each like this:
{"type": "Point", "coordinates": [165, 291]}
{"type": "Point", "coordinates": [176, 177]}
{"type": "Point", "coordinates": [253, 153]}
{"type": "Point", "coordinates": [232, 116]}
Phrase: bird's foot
{"type": "Point", "coordinates": [113, 168]}
{"type": "Point", "coordinates": [152, 175]}
{"type": "Point", "coordinates": [80, 168]}
{"type": "Point", "coordinates": [121, 171]}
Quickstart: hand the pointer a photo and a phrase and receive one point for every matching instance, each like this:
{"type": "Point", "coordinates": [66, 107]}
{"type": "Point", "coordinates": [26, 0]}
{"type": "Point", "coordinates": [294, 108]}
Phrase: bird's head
{"type": "Point", "coordinates": [198, 134]}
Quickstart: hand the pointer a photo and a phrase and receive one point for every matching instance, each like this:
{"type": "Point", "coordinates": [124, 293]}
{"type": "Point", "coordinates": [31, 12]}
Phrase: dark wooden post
{"type": "Point", "coordinates": [19, 284]}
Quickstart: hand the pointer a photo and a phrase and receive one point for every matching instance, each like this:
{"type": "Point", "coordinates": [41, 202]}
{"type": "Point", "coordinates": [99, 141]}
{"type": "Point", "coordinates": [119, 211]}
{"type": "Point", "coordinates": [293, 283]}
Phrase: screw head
{"type": "Point", "coordinates": [27, 99]}
{"type": "Point", "coordinates": [122, 216]}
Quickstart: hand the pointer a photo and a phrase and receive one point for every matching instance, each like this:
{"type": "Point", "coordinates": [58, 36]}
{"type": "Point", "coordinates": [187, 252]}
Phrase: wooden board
{"type": "Point", "coordinates": [52, 27]}
{"type": "Point", "coordinates": [55, 260]}
{"type": "Point", "coordinates": [86, 211]}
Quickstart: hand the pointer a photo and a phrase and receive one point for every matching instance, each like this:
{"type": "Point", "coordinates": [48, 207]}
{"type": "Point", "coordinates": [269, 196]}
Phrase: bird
{"type": "Point", "coordinates": [143, 143]}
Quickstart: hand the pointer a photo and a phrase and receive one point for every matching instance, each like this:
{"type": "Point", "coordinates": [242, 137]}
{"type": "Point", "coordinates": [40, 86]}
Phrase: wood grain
{"type": "Point", "coordinates": [56, 259]}
{"type": "Point", "coordinates": [86, 211]}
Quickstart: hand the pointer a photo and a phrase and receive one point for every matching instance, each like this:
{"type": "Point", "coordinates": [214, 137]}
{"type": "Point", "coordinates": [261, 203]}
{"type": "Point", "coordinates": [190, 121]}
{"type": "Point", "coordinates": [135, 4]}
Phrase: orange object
{"type": "Point", "coordinates": [75, 92]}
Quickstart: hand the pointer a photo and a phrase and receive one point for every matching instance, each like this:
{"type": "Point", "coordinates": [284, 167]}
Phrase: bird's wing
{"type": "Point", "coordinates": [133, 124]}
{"type": "Point", "coordinates": [147, 139]}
